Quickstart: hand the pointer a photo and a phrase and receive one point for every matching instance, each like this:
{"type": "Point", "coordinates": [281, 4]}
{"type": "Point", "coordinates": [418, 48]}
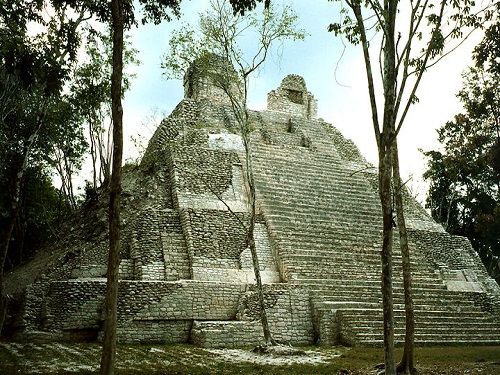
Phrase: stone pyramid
{"type": "Point", "coordinates": [186, 275]}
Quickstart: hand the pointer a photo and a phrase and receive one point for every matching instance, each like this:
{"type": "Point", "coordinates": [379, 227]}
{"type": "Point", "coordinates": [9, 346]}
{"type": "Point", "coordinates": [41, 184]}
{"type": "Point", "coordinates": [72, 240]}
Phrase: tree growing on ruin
{"type": "Point", "coordinates": [408, 41]}
{"type": "Point", "coordinates": [220, 42]}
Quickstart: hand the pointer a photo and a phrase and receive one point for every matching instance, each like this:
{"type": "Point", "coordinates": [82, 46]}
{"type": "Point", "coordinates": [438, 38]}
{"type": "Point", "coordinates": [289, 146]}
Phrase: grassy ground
{"type": "Point", "coordinates": [185, 359]}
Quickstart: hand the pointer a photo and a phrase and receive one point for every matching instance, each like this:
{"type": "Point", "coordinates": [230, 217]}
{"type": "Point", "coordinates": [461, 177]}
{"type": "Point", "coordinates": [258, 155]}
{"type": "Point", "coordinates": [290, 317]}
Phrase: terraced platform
{"type": "Point", "coordinates": [186, 272]}
{"type": "Point", "coordinates": [324, 219]}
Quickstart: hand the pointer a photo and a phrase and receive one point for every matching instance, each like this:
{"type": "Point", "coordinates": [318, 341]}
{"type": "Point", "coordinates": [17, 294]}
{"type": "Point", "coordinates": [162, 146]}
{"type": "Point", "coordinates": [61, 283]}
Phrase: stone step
{"type": "Point", "coordinates": [327, 221]}
{"type": "Point", "coordinates": [374, 296]}
{"type": "Point", "coordinates": [420, 306]}
{"type": "Point", "coordinates": [283, 175]}
{"type": "Point", "coordinates": [481, 327]}
{"type": "Point", "coordinates": [315, 183]}
{"type": "Point", "coordinates": [310, 218]}
{"type": "Point", "coordinates": [313, 269]}
{"type": "Point", "coordinates": [334, 242]}
{"type": "Point", "coordinates": [346, 258]}
{"type": "Point", "coordinates": [360, 283]}
{"type": "Point", "coordinates": [370, 316]}
{"type": "Point", "coordinates": [310, 211]}
{"type": "Point", "coordinates": [399, 341]}
{"type": "Point", "coordinates": [291, 153]}
{"type": "Point", "coordinates": [430, 339]}
{"type": "Point", "coordinates": [429, 322]}
{"type": "Point", "coordinates": [329, 239]}
{"type": "Point", "coordinates": [314, 169]}
{"type": "Point", "coordinates": [277, 172]}
{"type": "Point", "coordinates": [310, 205]}
{"type": "Point", "coordinates": [309, 187]}
{"type": "Point", "coordinates": [327, 229]}
{"type": "Point", "coordinates": [300, 255]}
{"type": "Point", "coordinates": [420, 295]}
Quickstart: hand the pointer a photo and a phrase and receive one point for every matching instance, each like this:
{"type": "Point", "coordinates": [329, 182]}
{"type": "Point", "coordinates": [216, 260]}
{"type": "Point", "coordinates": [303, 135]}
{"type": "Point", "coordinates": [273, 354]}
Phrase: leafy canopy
{"type": "Point", "coordinates": [464, 177]}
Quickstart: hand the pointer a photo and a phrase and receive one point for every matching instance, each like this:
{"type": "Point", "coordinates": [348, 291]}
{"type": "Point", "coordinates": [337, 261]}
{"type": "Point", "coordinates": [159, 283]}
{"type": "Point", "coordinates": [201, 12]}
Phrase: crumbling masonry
{"type": "Point", "coordinates": [186, 275]}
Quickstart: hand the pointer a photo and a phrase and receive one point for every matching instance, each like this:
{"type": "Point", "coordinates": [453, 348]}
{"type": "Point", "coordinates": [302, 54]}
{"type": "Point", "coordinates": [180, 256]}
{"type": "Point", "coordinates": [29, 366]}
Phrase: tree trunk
{"type": "Point", "coordinates": [406, 365]}
{"type": "Point", "coordinates": [385, 162]}
{"type": "Point", "coordinates": [109, 341]}
{"type": "Point", "coordinates": [93, 153]}
{"type": "Point", "coordinates": [4, 247]}
{"type": "Point", "coordinates": [6, 233]}
{"type": "Point", "coordinates": [251, 243]}
{"type": "Point", "coordinates": [385, 174]}
{"type": "Point", "coordinates": [245, 132]}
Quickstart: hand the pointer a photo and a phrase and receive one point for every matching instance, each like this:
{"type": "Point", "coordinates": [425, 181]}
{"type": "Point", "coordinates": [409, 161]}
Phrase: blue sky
{"type": "Point", "coordinates": [342, 101]}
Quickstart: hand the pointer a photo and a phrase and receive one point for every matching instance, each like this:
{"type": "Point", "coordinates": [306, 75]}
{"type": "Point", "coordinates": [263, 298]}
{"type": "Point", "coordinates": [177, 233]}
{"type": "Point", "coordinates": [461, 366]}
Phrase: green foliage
{"type": "Point", "coordinates": [90, 95]}
{"type": "Point", "coordinates": [410, 46]}
{"type": "Point", "coordinates": [43, 209]}
{"type": "Point", "coordinates": [38, 122]}
{"type": "Point", "coordinates": [464, 178]}
{"type": "Point", "coordinates": [240, 6]}
{"type": "Point", "coordinates": [221, 33]}
{"type": "Point", "coordinates": [151, 10]}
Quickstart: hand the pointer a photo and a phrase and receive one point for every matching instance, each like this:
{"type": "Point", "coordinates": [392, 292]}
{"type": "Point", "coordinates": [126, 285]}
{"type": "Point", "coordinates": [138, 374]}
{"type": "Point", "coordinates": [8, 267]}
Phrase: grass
{"type": "Point", "coordinates": [185, 359]}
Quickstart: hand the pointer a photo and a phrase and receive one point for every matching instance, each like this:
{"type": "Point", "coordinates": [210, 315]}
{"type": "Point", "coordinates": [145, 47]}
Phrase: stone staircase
{"type": "Point", "coordinates": [324, 221]}
{"type": "Point", "coordinates": [159, 249]}
{"type": "Point", "coordinates": [175, 254]}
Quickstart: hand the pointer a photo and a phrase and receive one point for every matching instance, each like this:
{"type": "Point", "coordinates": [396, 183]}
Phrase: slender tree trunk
{"type": "Point", "coordinates": [251, 243]}
{"type": "Point", "coordinates": [93, 153]}
{"type": "Point", "coordinates": [6, 234]}
{"type": "Point", "coordinates": [4, 247]}
{"type": "Point", "coordinates": [68, 174]}
{"type": "Point", "coordinates": [241, 113]}
{"type": "Point", "coordinates": [20, 233]}
{"type": "Point", "coordinates": [385, 164]}
{"type": "Point", "coordinates": [407, 364]}
{"type": "Point", "coordinates": [385, 174]}
{"type": "Point", "coordinates": [109, 342]}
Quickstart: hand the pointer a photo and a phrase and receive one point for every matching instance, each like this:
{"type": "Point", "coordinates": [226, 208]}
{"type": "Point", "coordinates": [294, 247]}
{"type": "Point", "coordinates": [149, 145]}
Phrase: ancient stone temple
{"type": "Point", "coordinates": [186, 274]}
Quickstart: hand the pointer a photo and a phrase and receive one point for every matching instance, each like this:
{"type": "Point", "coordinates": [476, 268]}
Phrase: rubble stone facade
{"type": "Point", "coordinates": [186, 274]}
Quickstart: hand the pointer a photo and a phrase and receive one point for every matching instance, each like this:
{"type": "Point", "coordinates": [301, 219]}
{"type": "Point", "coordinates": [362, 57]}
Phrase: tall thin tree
{"type": "Point", "coordinates": [218, 50]}
{"type": "Point", "coordinates": [122, 16]}
{"type": "Point", "coordinates": [404, 56]}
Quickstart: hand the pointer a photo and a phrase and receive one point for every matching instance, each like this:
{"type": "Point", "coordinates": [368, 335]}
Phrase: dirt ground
{"type": "Point", "coordinates": [58, 358]}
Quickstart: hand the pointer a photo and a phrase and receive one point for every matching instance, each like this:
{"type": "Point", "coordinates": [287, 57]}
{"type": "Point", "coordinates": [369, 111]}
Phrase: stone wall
{"type": "Point", "coordinates": [217, 235]}
{"type": "Point", "coordinates": [447, 251]}
{"type": "Point", "coordinates": [208, 179]}
{"type": "Point", "coordinates": [292, 97]}
{"type": "Point", "coordinates": [201, 170]}
{"type": "Point", "coordinates": [208, 78]}
{"type": "Point", "coordinates": [228, 334]}
{"type": "Point", "coordinates": [287, 309]}
{"type": "Point", "coordinates": [75, 304]}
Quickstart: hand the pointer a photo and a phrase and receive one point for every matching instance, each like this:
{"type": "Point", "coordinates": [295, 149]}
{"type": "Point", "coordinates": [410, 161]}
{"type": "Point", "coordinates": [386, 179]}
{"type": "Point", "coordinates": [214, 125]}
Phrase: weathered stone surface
{"type": "Point", "coordinates": [186, 273]}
